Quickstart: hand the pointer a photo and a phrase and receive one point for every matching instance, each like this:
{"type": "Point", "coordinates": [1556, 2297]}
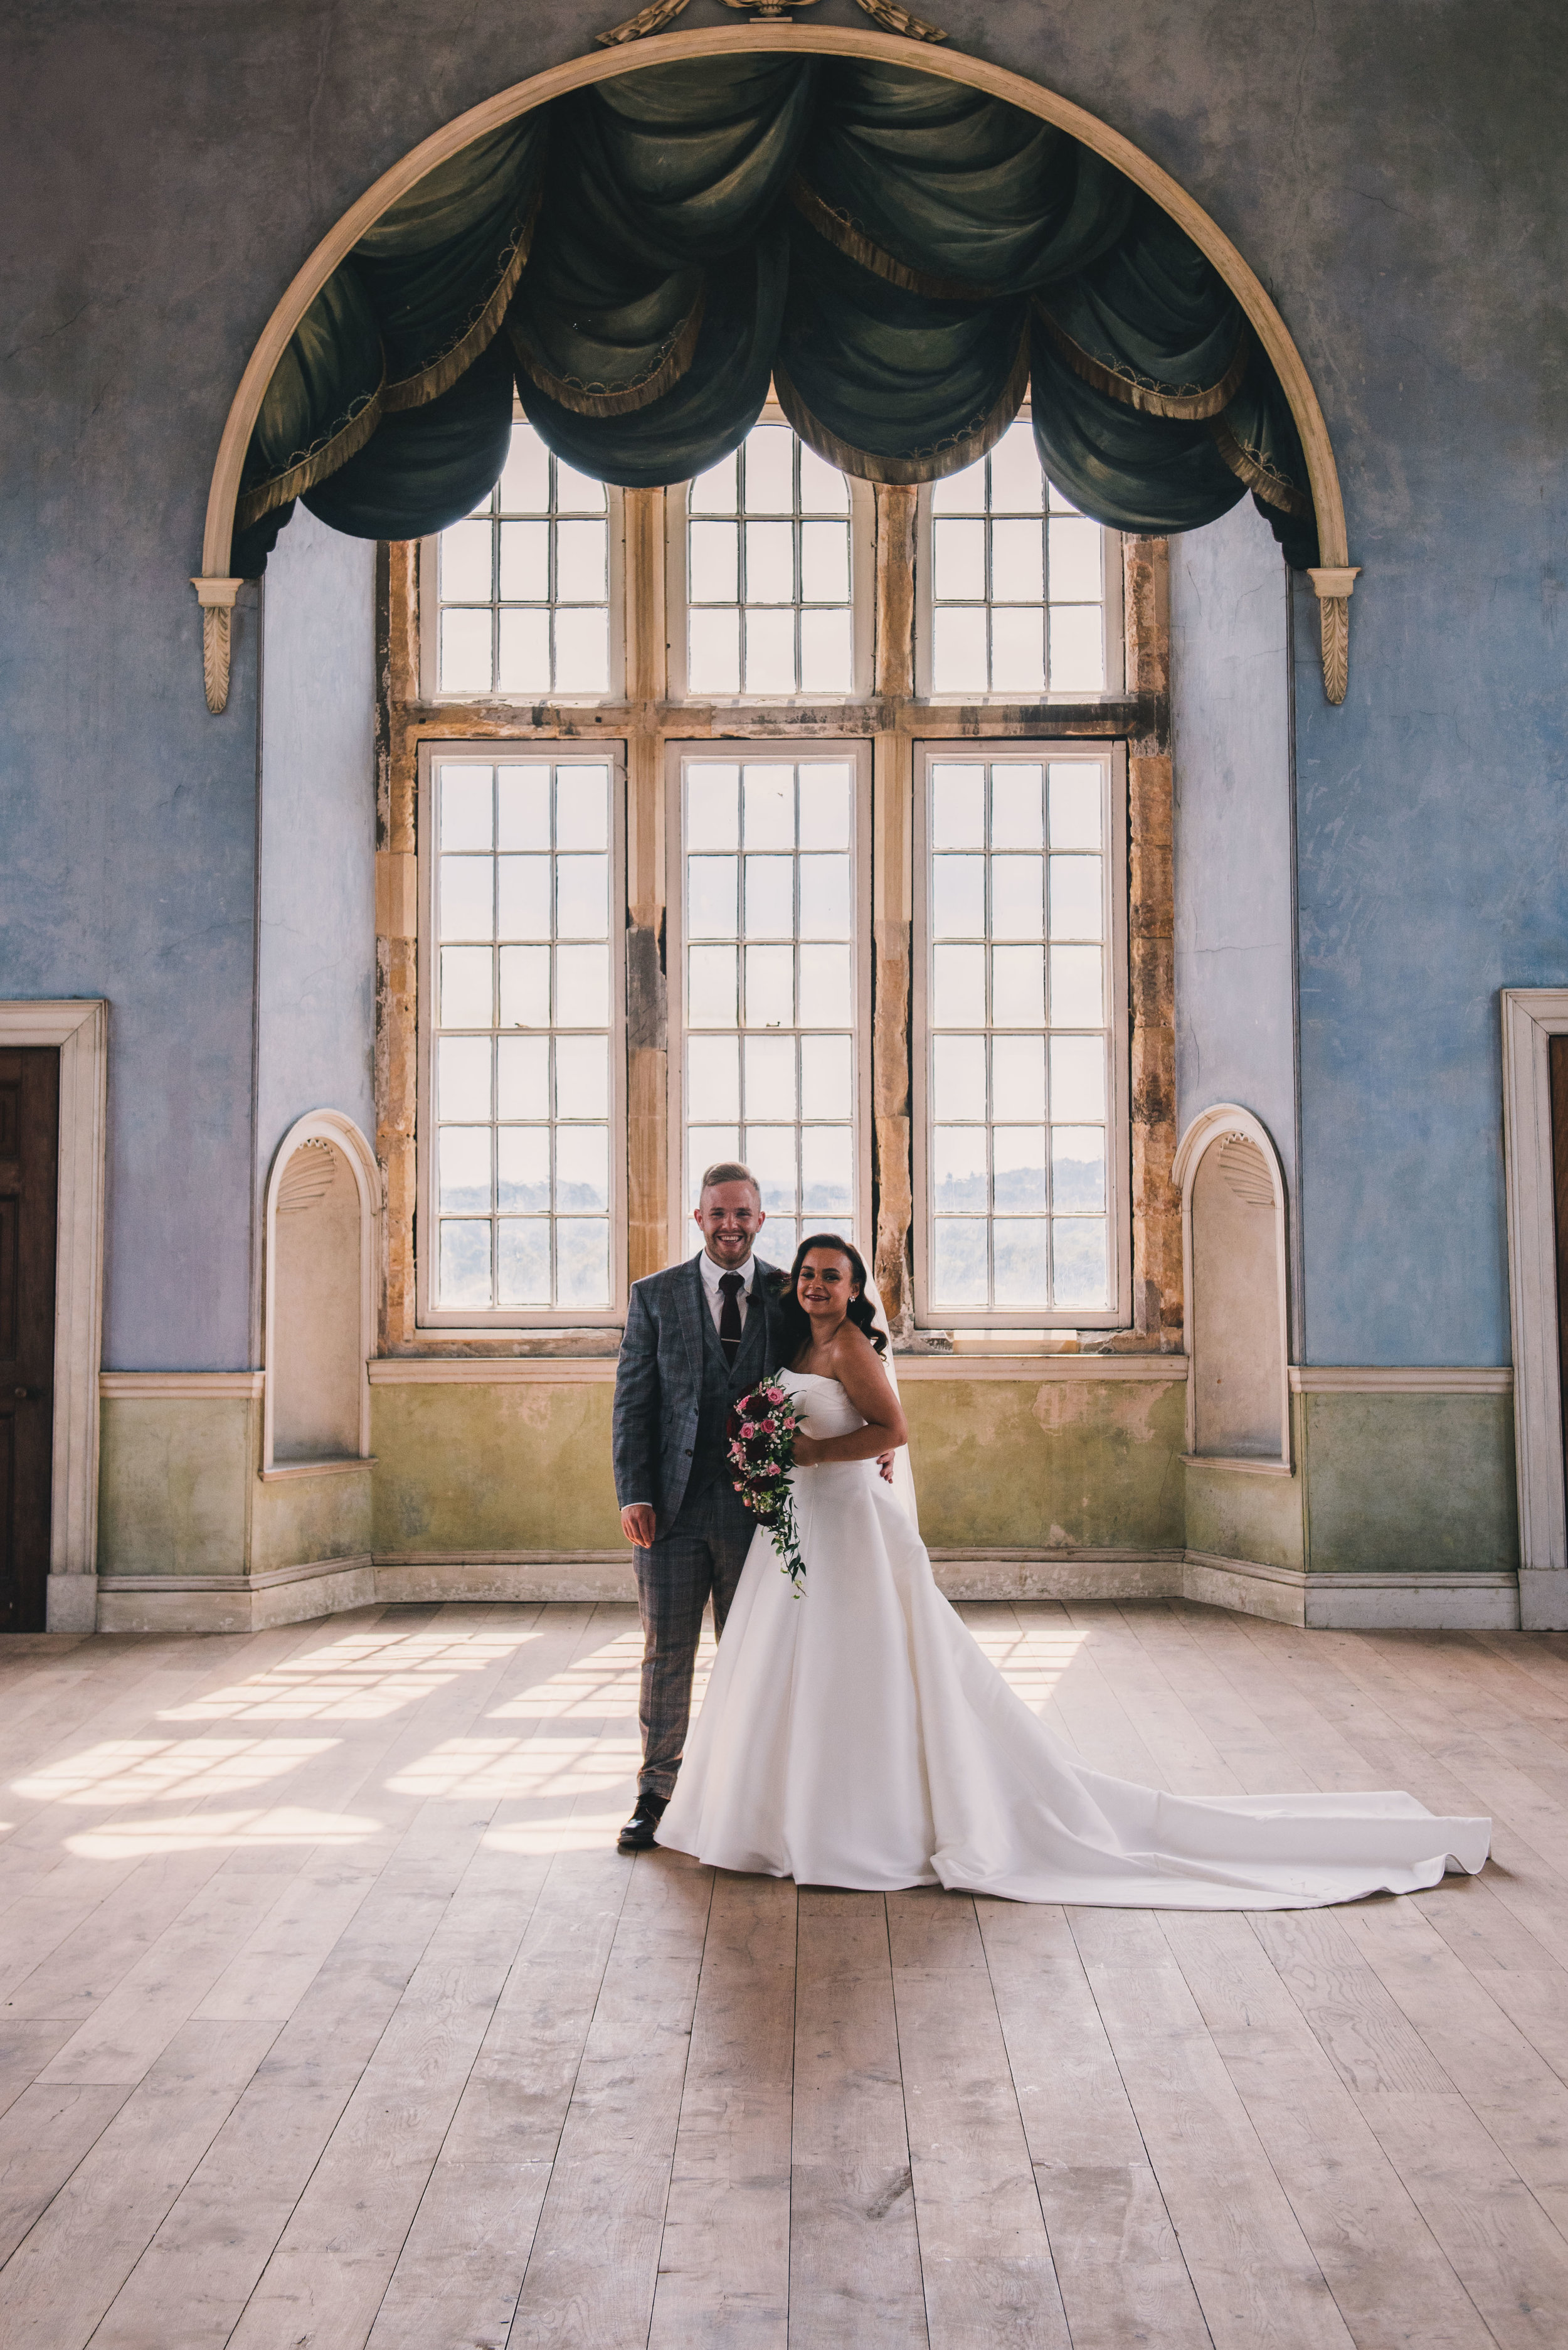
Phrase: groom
{"type": "Point", "coordinates": [698, 1336]}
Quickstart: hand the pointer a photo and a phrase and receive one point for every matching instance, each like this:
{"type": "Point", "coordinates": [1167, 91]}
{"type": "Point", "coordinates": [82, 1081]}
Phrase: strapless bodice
{"type": "Point", "coordinates": [823, 1407]}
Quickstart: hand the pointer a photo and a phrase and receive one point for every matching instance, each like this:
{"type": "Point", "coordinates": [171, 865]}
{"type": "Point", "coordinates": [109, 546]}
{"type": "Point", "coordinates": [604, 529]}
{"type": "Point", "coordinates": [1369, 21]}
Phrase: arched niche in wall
{"type": "Point", "coordinates": [320, 1243]}
{"type": "Point", "coordinates": [1234, 1265]}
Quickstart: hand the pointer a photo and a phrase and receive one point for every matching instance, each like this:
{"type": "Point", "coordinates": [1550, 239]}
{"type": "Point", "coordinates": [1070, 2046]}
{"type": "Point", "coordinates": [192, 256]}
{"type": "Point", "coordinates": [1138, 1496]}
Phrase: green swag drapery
{"type": "Point", "coordinates": [903, 258]}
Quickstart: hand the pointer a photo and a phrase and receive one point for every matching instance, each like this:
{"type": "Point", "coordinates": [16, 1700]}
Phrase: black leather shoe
{"type": "Point", "coordinates": [638, 1834]}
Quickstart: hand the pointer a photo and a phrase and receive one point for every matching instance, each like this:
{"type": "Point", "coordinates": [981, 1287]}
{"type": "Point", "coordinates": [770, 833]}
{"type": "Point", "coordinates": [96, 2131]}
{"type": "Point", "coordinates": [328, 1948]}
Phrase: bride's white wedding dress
{"type": "Point", "coordinates": [857, 1736]}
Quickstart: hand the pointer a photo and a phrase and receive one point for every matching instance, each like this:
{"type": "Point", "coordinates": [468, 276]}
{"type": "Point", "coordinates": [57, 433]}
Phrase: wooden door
{"type": "Point", "coordinates": [29, 1153]}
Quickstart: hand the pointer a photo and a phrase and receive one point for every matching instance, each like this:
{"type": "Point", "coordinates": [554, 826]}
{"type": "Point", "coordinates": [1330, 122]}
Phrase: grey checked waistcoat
{"type": "Point", "coordinates": [721, 1386]}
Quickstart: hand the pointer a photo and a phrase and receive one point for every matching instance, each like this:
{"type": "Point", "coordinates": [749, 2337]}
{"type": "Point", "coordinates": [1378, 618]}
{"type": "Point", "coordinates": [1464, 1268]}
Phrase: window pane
{"type": "Point", "coordinates": [958, 897]}
{"type": "Point", "coordinates": [1018, 1166]}
{"type": "Point", "coordinates": [582, 1169]}
{"type": "Point", "coordinates": [825, 1076]}
{"type": "Point", "coordinates": [1017, 648]}
{"type": "Point", "coordinates": [522, 794]}
{"type": "Point", "coordinates": [465, 654]}
{"type": "Point", "coordinates": [958, 649]}
{"type": "Point", "coordinates": [524, 897]}
{"type": "Point", "coordinates": [826, 651]}
{"type": "Point", "coordinates": [522, 1077]}
{"type": "Point", "coordinates": [958, 1077]}
{"type": "Point", "coordinates": [1021, 1249]}
{"type": "Point", "coordinates": [770, 1076]}
{"type": "Point", "coordinates": [958, 1262]}
{"type": "Point", "coordinates": [825, 997]}
{"type": "Point", "coordinates": [1077, 1077]}
{"type": "Point", "coordinates": [1017, 896]}
{"type": "Point", "coordinates": [1016, 810]}
{"type": "Point", "coordinates": [522, 1168]}
{"type": "Point", "coordinates": [466, 981]}
{"type": "Point", "coordinates": [713, 493]}
{"type": "Point", "coordinates": [1018, 1077]}
{"type": "Point", "coordinates": [1076, 561]}
{"type": "Point", "coordinates": [1077, 1167]}
{"type": "Point", "coordinates": [771, 1156]}
{"type": "Point", "coordinates": [712, 1078]}
{"type": "Point", "coordinates": [957, 562]}
{"type": "Point", "coordinates": [465, 566]}
{"type": "Point", "coordinates": [465, 1265]}
{"type": "Point", "coordinates": [524, 987]}
{"type": "Point", "coordinates": [467, 797]}
{"type": "Point", "coordinates": [1077, 648]}
{"type": "Point", "coordinates": [713, 651]}
{"type": "Point", "coordinates": [710, 896]}
{"type": "Point", "coordinates": [582, 650]}
{"type": "Point", "coordinates": [523, 666]}
{"type": "Point", "coordinates": [582, 562]}
{"type": "Point", "coordinates": [958, 993]}
{"type": "Point", "coordinates": [770, 563]}
{"type": "Point", "coordinates": [1076, 909]}
{"type": "Point", "coordinates": [1018, 987]}
{"type": "Point", "coordinates": [522, 1263]}
{"type": "Point", "coordinates": [958, 1168]}
{"type": "Point", "coordinates": [1078, 1247]}
{"type": "Point", "coordinates": [467, 893]}
{"type": "Point", "coordinates": [770, 896]}
{"type": "Point", "coordinates": [961, 492]}
{"type": "Point", "coordinates": [1017, 562]}
{"type": "Point", "coordinates": [1017, 485]}
{"type": "Point", "coordinates": [770, 650]}
{"type": "Point", "coordinates": [827, 1170]}
{"type": "Point", "coordinates": [462, 1076]}
{"type": "Point", "coordinates": [770, 469]}
{"type": "Point", "coordinates": [582, 987]}
{"type": "Point", "coordinates": [823, 488]}
{"type": "Point", "coordinates": [1075, 794]}
{"type": "Point", "coordinates": [770, 987]}
{"type": "Point", "coordinates": [464, 1179]}
{"type": "Point", "coordinates": [958, 807]}
{"type": "Point", "coordinates": [524, 563]}
{"type": "Point", "coordinates": [582, 806]}
{"type": "Point", "coordinates": [823, 562]}
{"type": "Point", "coordinates": [1077, 996]}
{"type": "Point", "coordinates": [710, 810]}
{"type": "Point", "coordinates": [714, 576]}
{"type": "Point", "coordinates": [769, 797]}
{"type": "Point", "coordinates": [526, 484]}
{"type": "Point", "coordinates": [710, 987]}
{"type": "Point", "coordinates": [824, 898]}
{"type": "Point", "coordinates": [582, 1076]}
{"type": "Point", "coordinates": [710, 1146]}
{"type": "Point", "coordinates": [508, 1168]}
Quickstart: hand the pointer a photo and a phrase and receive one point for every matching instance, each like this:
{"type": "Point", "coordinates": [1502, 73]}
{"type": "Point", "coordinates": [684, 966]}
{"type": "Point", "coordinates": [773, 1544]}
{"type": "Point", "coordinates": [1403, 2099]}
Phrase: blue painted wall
{"type": "Point", "coordinates": [316, 970]}
{"type": "Point", "coordinates": [1394, 174]}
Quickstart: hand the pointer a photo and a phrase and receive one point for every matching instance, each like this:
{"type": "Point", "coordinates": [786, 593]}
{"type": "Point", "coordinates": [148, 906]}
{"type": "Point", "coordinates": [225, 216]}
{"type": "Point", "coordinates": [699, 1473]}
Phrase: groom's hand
{"type": "Point", "coordinates": [885, 1463]}
{"type": "Point", "coordinates": [639, 1525]}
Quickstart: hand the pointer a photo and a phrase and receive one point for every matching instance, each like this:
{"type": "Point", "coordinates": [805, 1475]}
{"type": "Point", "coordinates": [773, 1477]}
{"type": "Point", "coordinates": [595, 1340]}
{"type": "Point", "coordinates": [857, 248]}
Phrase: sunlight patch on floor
{"type": "Point", "coordinates": [283, 1823]}
{"type": "Point", "coordinates": [360, 1677]}
{"type": "Point", "coordinates": [137, 1771]}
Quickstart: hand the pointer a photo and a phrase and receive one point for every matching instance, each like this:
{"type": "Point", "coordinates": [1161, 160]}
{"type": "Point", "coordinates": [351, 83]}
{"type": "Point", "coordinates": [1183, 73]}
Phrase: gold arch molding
{"type": "Point", "coordinates": [1332, 581]}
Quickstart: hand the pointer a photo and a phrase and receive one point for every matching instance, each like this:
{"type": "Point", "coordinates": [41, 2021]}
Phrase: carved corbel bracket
{"type": "Point", "coordinates": [216, 598]}
{"type": "Point", "coordinates": [1332, 585]}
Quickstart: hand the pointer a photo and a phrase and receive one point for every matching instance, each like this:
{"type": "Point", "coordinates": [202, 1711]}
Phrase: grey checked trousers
{"type": "Point", "coordinates": [700, 1558]}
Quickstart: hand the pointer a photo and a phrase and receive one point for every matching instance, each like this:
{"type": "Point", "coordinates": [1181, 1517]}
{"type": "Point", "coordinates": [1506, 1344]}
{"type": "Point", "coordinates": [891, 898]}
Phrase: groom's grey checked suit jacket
{"type": "Point", "coordinates": [670, 1423]}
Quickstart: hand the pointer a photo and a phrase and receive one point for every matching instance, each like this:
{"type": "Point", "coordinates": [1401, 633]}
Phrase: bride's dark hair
{"type": "Point", "coordinates": [797, 1321]}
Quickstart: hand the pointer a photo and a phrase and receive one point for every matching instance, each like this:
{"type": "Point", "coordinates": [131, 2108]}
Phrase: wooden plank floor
{"type": "Point", "coordinates": [330, 2016]}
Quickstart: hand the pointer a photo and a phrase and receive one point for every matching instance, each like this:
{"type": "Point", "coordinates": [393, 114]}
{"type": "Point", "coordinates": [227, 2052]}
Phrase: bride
{"type": "Point", "coordinates": [857, 1735]}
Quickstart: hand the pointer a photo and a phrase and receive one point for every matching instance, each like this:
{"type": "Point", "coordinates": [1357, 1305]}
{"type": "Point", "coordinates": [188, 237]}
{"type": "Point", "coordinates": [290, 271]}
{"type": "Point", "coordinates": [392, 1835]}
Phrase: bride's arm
{"type": "Point", "coordinates": [861, 1374]}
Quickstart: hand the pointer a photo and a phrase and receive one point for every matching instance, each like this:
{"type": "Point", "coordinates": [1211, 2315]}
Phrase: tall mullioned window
{"type": "Point", "coordinates": [771, 865]}
{"type": "Point", "coordinates": [523, 1134]}
{"type": "Point", "coordinates": [523, 584]}
{"type": "Point", "coordinates": [1015, 602]}
{"type": "Point", "coordinates": [1020, 1064]}
{"type": "Point", "coordinates": [769, 574]}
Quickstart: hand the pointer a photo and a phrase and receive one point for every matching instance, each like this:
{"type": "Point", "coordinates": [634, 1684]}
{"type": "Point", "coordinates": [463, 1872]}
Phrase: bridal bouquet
{"type": "Point", "coordinates": [762, 1453]}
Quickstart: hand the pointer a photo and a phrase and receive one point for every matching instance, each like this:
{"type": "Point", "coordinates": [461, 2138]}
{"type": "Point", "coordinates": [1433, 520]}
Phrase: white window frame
{"type": "Point", "coordinates": [862, 599]}
{"type": "Point", "coordinates": [429, 623]}
{"type": "Point", "coordinates": [1113, 604]}
{"type": "Point", "coordinates": [683, 1241]}
{"type": "Point", "coordinates": [1117, 1314]}
{"type": "Point", "coordinates": [504, 752]}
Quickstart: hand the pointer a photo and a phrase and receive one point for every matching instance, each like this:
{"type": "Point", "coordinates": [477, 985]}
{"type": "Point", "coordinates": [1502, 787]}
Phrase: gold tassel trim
{"type": "Point", "coordinates": [1191, 405]}
{"type": "Point", "coordinates": [418, 390]}
{"type": "Point", "coordinates": [932, 464]}
{"type": "Point", "coordinates": [1248, 466]}
{"type": "Point", "coordinates": [313, 464]}
{"type": "Point", "coordinates": [851, 238]}
{"type": "Point", "coordinates": [599, 400]}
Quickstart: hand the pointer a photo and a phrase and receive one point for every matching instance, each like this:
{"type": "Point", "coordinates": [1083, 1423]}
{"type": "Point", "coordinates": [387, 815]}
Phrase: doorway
{"type": "Point", "coordinates": [29, 1195]}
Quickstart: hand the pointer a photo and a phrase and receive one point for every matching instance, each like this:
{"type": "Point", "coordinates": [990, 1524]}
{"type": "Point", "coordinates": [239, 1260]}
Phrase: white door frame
{"type": "Point", "coordinates": [79, 1027]}
{"type": "Point", "coordinates": [1532, 1016]}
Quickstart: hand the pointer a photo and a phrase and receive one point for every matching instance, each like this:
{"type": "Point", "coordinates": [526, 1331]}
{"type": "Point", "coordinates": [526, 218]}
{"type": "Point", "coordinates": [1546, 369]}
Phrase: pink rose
{"type": "Point", "coordinates": [770, 1426]}
{"type": "Point", "coordinates": [748, 1427]}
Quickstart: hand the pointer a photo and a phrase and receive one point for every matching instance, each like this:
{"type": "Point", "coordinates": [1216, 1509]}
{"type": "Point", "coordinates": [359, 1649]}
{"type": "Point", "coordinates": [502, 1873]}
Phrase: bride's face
{"type": "Point", "coordinates": [826, 1285]}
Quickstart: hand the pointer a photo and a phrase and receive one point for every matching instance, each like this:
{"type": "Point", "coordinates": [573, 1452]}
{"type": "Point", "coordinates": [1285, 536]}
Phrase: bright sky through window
{"type": "Point", "coordinates": [1017, 581]}
{"type": "Point", "coordinates": [523, 584]}
{"type": "Point", "coordinates": [768, 572]}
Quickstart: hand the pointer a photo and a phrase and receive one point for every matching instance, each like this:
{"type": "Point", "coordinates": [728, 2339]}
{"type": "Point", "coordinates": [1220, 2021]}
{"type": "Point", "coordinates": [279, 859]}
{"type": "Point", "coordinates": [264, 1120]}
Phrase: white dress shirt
{"type": "Point", "coordinates": [713, 1273]}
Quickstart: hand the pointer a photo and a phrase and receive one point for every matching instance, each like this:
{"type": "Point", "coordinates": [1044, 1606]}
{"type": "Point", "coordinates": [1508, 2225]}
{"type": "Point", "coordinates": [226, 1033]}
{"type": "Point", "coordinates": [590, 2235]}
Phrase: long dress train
{"type": "Point", "coordinates": [857, 1736]}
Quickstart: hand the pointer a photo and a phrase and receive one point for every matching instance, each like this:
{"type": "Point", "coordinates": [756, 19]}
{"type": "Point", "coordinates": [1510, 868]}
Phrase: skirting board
{"type": "Point", "coordinates": [234, 1603]}
{"type": "Point", "coordinates": [1441, 1600]}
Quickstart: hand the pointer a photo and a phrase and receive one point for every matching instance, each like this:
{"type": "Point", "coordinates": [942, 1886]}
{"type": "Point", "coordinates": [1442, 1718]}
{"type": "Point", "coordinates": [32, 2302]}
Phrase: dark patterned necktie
{"type": "Point", "coordinates": [732, 1284]}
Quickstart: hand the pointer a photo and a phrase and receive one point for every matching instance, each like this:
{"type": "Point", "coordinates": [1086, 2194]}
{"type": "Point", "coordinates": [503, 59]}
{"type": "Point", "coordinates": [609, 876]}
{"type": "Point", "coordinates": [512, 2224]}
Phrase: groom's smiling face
{"type": "Point", "coordinates": [730, 1216]}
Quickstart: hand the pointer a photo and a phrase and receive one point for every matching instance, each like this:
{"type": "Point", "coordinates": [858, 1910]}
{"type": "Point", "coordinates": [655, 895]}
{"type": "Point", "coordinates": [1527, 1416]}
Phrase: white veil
{"type": "Point", "coordinates": [903, 1474]}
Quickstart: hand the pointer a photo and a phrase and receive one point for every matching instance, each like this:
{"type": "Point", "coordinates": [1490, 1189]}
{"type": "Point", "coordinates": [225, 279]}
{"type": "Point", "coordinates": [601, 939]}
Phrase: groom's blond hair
{"type": "Point", "coordinates": [729, 1170]}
